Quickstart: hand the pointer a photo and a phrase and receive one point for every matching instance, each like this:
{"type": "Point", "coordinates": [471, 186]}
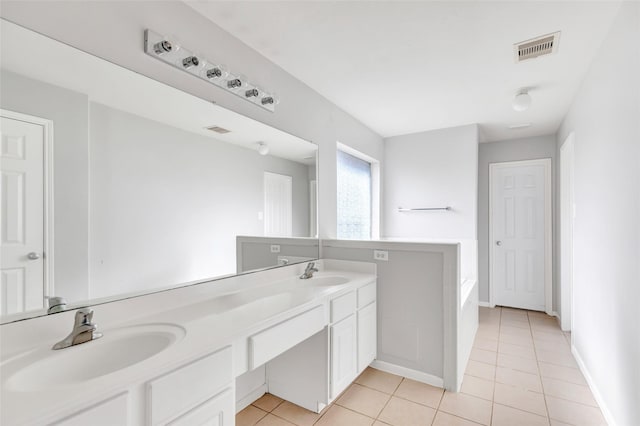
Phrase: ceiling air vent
{"type": "Point", "coordinates": [539, 46]}
{"type": "Point", "coordinates": [218, 129]}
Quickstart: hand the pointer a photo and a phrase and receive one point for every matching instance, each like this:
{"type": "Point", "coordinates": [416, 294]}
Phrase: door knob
{"type": "Point", "coordinates": [498, 243]}
{"type": "Point", "coordinates": [33, 256]}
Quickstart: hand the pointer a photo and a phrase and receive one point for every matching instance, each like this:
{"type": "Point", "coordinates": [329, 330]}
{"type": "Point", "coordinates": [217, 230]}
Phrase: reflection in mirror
{"type": "Point", "coordinates": [114, 184]}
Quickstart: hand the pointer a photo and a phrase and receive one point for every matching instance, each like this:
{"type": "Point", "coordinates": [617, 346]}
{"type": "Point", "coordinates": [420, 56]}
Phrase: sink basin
{"type": "Point", "coordinates": [327, 281]}
{"type": "Point", "coordinates": [118, 349]}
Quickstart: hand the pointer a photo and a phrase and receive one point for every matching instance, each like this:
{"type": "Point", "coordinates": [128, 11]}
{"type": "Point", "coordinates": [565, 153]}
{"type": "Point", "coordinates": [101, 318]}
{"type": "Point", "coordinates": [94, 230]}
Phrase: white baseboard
{"type": "Point", "coordinates": [246, 400]}
{"type": "Point", "coordinates": [594, 390]}
{"type": "Point", "coordinates": [409, 373]}
{"type": "Point", "coordinates": [484, 304]}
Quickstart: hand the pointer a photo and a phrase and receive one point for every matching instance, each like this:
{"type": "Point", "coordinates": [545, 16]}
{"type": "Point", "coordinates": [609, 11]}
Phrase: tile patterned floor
{"type": "Point", "coordinates": [521, 372]}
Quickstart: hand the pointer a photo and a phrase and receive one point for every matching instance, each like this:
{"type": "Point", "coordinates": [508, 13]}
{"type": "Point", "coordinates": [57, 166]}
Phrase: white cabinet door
{"type": "Point", "coordinates": [218, 411]}
{"type": "Point", "coordinates": [367, 336]}
{"type": "Point", "coordinates": [111, 412]}
{"type": "Point", "coordinates": [343, 354]}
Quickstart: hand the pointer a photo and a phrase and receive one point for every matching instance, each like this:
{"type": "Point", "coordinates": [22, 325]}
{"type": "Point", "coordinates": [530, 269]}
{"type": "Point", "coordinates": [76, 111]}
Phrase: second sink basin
{"type": "Point", "coordinates": [118, 349]}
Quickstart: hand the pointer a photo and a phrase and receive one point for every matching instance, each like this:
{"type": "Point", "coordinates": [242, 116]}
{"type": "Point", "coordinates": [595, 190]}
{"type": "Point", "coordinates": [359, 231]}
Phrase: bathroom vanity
{"type": "Point", "coordinates": [173, 357]}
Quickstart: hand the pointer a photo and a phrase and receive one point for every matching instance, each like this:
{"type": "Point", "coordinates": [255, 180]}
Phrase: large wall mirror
{"type": "Point", "coordinates": [114, 184]}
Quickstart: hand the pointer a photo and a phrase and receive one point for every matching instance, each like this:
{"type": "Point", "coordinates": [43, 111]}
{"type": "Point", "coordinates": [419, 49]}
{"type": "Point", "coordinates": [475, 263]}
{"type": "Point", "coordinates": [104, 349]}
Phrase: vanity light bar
{"type": "Point", "coordinates": [167, 51]}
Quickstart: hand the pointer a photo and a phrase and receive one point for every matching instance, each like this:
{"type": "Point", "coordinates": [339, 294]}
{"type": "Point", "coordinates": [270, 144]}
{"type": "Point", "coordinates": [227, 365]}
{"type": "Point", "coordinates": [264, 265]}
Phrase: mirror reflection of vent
{"type": "Point", "coordinates": [536, 47]}
{"type": "Point", "coordinates": [218, 129]}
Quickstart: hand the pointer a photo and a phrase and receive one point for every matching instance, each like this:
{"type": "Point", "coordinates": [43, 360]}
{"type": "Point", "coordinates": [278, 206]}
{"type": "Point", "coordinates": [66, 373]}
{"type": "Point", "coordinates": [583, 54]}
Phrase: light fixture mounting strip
{"type": "Point", "coordinates": [161, 48]}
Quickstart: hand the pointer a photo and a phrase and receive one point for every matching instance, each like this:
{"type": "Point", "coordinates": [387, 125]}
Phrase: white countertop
{"type": "Point", "coordinates": [213, 316]}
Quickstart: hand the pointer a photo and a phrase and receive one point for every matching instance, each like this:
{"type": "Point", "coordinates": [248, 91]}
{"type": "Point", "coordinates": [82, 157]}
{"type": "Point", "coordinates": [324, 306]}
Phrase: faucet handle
{"type": "Point", "coordinates": [84, 316]}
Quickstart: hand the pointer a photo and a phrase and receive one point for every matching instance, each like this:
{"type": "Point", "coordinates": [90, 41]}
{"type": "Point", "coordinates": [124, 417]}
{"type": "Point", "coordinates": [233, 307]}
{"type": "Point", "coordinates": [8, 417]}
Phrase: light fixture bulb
{"type": "Point", "coordinates": [162, 47]}
{"type": "Point", "coordinates": [215, 72]}
{"type": "Point", "coordinates": [272, 99]}
{"type": "Point", "coordinates": [191, 61]}
{"type": "Point", "coordinates": [237, 81]}
{"type": "Point", "coordinates": [252, 93]}
{"type": "Point", "coordinates": [263, 148]}
{"type": "Point", "coordinates": [521, 101]}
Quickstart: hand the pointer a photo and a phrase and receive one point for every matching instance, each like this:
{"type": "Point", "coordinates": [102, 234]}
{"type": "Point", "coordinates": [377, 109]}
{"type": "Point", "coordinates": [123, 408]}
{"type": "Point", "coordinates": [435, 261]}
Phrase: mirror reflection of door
{"type": "Point", "coordinates": [278, 205]}
{"type": "Point", "coordinates": [22, 214]}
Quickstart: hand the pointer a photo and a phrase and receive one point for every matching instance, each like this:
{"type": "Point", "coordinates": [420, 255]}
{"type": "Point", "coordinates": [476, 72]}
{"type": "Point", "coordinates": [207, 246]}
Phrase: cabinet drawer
{"type": "Point", "coordinates": [343, 306]}
{"type": "Point", "coordinates": [218, 411]}
{"type": "Point", "coordinates": [273, 341]}
{"type": "Point", "coordinates": [366, 295]}
{"type": "Point", "coordinates": [181, 389]}
{"type": "Point", "coordinates": [113, 411]}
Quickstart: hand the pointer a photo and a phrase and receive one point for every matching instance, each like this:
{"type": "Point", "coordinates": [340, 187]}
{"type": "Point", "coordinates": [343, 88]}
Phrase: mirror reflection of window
{"type": "Point", "coordinates": [354, 197]}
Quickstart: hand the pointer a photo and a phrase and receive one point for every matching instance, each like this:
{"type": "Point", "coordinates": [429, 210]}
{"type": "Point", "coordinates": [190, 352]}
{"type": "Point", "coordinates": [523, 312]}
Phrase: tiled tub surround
{"type": "Point", "coordinates": [210, 328]}
{"type": "Point", "coordinates": [521, 373]}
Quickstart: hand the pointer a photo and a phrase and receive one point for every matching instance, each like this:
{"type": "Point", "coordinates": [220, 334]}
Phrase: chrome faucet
{"type": "Point", "coordinates": [308, 273]}
{"type": "Point", "coordinates": [83, 330]}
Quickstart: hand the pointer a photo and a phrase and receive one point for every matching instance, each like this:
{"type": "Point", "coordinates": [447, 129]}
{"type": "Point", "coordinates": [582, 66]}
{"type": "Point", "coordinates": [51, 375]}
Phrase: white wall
{"type": "Point", "coordinates": [114, 31]}
{"type": "Point", "coordinates": [509, 150]}
{"type": "Point", "coordinates": [70, 113]}
{"type": "Point", "coordinates": [431, 169]}
{"type": "Point", "coordinates": [605, 116]}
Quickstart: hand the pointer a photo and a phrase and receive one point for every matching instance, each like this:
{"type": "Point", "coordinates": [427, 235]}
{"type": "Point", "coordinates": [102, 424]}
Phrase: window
{"type": "Point", "coordinates": [354, 197]}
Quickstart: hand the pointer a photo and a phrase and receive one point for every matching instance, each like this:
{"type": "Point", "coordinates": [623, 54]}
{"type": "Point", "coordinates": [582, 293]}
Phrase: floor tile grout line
{"type": "Point", "coordinates": [438, 408]}
{"type": "Point", "coordinates": [544, 395]}
{"type": "Point", "coordinates": [495, 372]}
{"type": "Point", "coordinates": [370, 387]}
{"type": "Point", "coordinates": [353, 411]}
{"type": "Point", "coordinates": [388, 400]}
{"type": "Point", "coordinates": [415, 402]}
{"type": "Point", "coordinates": [266, 413]}
{"type": "Point", "coordinates": [570, 400]}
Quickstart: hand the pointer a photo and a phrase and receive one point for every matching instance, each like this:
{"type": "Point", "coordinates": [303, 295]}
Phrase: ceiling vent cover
{"type": "Point", "coordinates": [536, 47]}
{"type": "Point", "coordinates": [218, 129]}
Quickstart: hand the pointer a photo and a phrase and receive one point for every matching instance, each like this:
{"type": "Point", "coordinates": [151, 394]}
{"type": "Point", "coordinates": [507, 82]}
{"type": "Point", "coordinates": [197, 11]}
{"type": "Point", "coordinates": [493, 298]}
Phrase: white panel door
{"type": "Point", "coordinates": [518, 228]}
{"type": "Point", "coordinates": [22, 216]}
{"type": "Point", "coordinates": [278, 205]}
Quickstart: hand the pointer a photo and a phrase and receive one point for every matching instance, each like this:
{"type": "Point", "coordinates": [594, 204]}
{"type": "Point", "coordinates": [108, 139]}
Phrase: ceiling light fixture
{"type": "Point", "coordinates": [168, 50]}
{"type": "Point", "coordinates": [522, 100]}
{"type": "Point", "coordinates": [263, 148]}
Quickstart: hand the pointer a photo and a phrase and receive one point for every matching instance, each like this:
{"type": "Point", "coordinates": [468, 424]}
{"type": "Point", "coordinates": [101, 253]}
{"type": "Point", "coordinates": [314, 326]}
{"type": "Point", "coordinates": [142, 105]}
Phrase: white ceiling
{"type": "Point", "coordinates": [406, 67]}
{"type": "Point", "coordinates": [24, 52]}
